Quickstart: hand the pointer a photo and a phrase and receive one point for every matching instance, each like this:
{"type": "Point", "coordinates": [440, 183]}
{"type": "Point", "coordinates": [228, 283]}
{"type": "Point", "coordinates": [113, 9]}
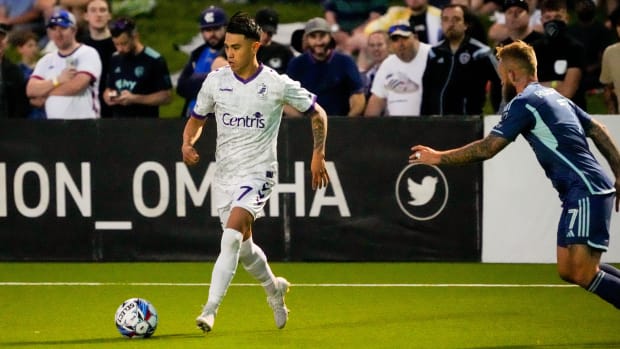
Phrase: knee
{"type": "Point", "coordinates": [577, 276]}
{"type": "Point", "coordinates": [231, 240]}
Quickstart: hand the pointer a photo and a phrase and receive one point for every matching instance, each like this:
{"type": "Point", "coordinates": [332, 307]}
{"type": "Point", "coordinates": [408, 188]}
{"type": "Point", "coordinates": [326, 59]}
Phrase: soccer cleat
{"type": "Point", "coordinates": [205, 321]}
{"type": "Point", "coordinates": [276, 302]}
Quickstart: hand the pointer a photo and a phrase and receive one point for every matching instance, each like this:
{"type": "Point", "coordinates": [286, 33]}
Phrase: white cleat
{"type": "Point", "coordinates": [276, 302]}
{"type": "Point", "coordinates": [205, 321]}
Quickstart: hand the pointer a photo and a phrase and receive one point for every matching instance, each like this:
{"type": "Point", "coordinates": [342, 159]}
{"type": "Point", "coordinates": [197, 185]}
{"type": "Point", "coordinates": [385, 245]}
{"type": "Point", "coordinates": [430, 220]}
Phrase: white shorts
{"type": "Point", "coordinates": [250, 193]}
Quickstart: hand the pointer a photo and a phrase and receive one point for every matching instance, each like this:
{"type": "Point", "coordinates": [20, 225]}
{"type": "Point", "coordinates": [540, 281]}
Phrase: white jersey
{"type": "Point", "coordinates": [400, 83]}
{"type": "Point", "coordinates": [85, 105]}
{"type": "Point", "coordinates": [248, 114]}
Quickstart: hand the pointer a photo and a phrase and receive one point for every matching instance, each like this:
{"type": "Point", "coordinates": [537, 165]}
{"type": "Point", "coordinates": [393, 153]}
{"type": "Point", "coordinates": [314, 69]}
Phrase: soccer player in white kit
{"type": "Point", "coordinates": [246, 99]}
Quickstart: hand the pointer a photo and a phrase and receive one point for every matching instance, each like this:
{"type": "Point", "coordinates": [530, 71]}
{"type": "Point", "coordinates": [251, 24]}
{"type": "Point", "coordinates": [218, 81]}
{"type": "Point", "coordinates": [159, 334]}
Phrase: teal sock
{"type": "Point", "coordinates": [610, 269]}
{"type": "Point", "coordinates": [606, 286]}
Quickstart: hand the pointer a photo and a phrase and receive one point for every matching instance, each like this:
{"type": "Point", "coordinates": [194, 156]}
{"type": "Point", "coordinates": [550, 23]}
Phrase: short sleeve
{"type": "Point", "coordinates": [89, 63]}
{"type": "Point", "coordinates": [297, 96]}
{"type": "Point", "coordinates": [205, 101]}
{"type": "Point", "coordinates": [515, 120]}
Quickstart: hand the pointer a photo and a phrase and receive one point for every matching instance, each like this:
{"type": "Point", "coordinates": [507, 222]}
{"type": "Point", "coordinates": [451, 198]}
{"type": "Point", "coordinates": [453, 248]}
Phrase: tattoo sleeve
{"type": "Point", "coordinates": [476, 151]}
{"type": "Point", "coordinates": [319, 131]}
{"type": "Point", "coordinates": [606, 145]}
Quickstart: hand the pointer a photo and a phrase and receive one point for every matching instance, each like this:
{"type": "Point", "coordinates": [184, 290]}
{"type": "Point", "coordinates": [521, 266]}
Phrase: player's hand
{"type": "Point", "coordinates": [190, 155]}
{"type": "Point", "coordinates": [421, 154]}
{"type": "Point", "coordinates": [320, 178]}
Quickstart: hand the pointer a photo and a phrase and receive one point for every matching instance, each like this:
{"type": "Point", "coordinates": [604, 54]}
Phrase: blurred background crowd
{"type": "Point", "coordinates": [74, 59]}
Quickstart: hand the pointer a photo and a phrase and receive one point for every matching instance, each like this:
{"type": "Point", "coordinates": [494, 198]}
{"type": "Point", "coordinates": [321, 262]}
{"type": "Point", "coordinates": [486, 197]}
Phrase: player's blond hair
{"type": "Point", "coordinates": [519, 54]}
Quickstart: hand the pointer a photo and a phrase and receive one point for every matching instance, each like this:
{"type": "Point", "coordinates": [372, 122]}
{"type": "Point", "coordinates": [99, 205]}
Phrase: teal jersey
{"type": "Point", "coordinates": [556, 128]}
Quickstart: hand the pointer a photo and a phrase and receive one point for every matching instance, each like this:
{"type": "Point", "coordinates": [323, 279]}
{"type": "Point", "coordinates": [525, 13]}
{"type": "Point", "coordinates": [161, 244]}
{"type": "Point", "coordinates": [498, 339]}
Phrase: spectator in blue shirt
{"type": "Point", "coordinates": [332, 76]}
{"type": "Point", "coordinates": [212, 22]}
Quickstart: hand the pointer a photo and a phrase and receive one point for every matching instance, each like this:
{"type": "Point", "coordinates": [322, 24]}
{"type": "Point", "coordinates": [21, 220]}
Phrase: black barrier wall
{"type": "Point", "coordinates": [117, 190]}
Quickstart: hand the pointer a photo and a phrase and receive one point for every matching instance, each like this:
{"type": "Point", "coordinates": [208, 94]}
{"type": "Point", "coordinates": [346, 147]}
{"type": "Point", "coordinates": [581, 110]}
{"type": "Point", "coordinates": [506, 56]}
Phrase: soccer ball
{"type": "Point", "coordinates": [136, 318]}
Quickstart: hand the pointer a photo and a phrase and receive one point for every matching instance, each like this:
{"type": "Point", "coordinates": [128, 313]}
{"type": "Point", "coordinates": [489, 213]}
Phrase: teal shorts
{"type": "Point", "coordinates": [586, 222]}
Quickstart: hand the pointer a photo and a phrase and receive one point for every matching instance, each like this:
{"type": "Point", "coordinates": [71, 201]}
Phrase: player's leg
{"type": "Point", "coordinates": [610, 269]}
{"type": "Point", "coordinates": [583, 235]}
{"type": "Point", "coordinates": [579, 264]}
{"type": "Point", "coordinates": [238, 225]}
{"type": "Point", "coordinates": [254, 261]}
{"type": "Point", "coordinates": [251, 256]}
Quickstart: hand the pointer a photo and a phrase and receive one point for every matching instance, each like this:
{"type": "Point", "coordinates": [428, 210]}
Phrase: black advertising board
{"type": "Point", "coordinates": [117, 190]}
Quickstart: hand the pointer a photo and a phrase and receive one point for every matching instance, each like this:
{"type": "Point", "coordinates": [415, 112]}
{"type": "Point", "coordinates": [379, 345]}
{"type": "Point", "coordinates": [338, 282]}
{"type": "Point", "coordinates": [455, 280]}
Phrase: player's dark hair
{"type": "Point", "coordinates": [242, 23]}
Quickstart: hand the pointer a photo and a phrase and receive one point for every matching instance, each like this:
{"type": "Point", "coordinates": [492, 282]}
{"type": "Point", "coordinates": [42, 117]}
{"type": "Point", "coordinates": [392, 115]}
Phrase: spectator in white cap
{"type": "Point", "coordinates": [73, 71]}
{"type": "Point", "coordinates": [212, 21]}
{"type": "Point", "coordinates": [397, 87]}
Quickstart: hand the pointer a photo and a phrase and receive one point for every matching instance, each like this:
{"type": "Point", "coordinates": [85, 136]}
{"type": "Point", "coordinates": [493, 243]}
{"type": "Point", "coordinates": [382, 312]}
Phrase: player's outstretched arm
{"type": "Point", "coordinates": [479, 150]}
{"type": "Point", "coordinates": [318, 118]}
{"type": "Point", "coordinates": [191, 133]}
{"type": "Point", "coordinates": [606, 145]}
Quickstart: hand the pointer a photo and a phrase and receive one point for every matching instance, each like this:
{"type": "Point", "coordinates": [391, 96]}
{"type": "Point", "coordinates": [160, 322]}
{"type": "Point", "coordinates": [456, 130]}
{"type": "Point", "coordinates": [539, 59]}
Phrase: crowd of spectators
{"type": "Point", "coordinates": [362, 58]}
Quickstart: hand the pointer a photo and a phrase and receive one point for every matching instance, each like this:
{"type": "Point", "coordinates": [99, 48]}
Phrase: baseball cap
{"type": "Point", "coordinates": [62, 18]}
{"type": "Point", "coordinates": [213, 17]}
{"type": "Point", "coordinates": [400, 30]}
{"type": "Point", "coordinates": [267, 19]}
{"type": "Point", "coordinates": [519, 3]}
{"type": "Point", "coordinates": [317, 24]}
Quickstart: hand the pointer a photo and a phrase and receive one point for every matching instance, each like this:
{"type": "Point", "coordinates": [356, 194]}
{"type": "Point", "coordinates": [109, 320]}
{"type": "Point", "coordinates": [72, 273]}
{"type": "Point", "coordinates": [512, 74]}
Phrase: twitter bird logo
{"type": "Point", "coordinates": [423, 192]}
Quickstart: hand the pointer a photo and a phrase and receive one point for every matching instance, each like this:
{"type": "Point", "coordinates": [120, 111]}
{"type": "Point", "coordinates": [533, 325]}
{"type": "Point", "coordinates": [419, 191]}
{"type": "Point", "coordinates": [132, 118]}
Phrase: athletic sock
{"type": "Point", "coordinates": [610, 269]}
{"type": "Point", "coordinates": [224, 268]}
{"type": "Point", "coordinates": [254, 261]}
{"type": "Point", "coordinates": [607, 287]}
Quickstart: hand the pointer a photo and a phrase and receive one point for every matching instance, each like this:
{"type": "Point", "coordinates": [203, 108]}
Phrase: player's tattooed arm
{"type": "Point", "coordinates": [606, 145]}
{"type": "Point", "coordinates": [320, 177]}
{"type": "Point", "coordinates": [479, 150]}
{"type": "Point", "coordinates": [318, 118]}
{"type": "Point", "coordinates": [319, 133]}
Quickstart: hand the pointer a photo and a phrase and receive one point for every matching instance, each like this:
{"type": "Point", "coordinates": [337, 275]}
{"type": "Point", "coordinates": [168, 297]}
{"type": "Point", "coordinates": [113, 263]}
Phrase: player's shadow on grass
{"type": "Point", "coordinates": [108, 340]}
{"type": "Point", "coordinates": [602, 345]}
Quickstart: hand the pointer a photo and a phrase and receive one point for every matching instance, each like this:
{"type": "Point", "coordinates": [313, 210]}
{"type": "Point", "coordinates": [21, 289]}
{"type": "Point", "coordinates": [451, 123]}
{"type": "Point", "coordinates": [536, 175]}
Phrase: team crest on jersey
{"type": "Point", "coordinates": [262, 90]}
{"type": "Point", "coordinates": [139, 71]}
{"type": "Point", "coordinates": [464, 57]}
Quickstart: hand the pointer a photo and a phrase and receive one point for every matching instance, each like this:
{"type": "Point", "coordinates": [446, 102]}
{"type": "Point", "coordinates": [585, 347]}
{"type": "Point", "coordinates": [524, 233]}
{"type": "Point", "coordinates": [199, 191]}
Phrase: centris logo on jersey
{"type": "Point", "coordinates": [255, 120]}
{"type": "Point", "coordinates": [421, 191]}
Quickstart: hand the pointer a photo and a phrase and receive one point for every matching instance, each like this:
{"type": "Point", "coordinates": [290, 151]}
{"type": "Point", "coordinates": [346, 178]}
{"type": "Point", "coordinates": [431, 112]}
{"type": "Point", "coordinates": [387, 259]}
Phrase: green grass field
{"type": "Point", "coordinates": [347, 305]}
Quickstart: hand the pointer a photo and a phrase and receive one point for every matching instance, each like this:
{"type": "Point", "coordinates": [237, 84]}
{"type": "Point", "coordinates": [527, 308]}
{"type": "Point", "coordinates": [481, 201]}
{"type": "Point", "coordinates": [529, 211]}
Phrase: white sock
{"type": "Point", "coordinates": [254, 261]}
{"type": "Point", "coordinates": [225, 267]}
